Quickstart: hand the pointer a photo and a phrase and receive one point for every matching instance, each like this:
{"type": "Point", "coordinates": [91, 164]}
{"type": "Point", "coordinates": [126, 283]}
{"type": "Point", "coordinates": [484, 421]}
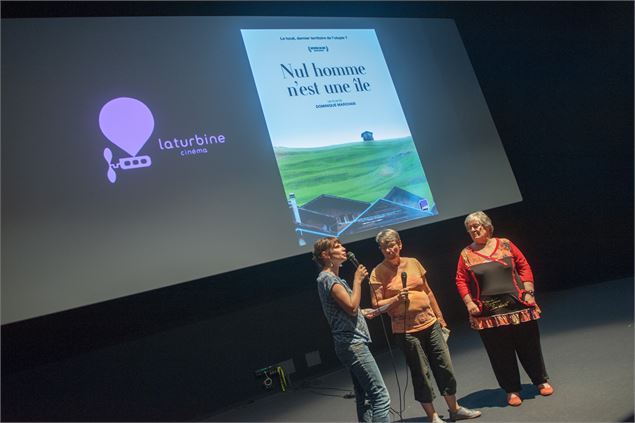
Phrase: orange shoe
{"type": "Point", "coordinates": [513, 399]}
{"type": "Point", "coordinates": [545, 389]}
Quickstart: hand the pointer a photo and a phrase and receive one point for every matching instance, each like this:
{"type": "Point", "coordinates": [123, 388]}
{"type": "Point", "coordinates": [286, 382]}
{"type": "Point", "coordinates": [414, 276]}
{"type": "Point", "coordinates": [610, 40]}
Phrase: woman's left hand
{"type": "Point", "coordinates": [360, 274]}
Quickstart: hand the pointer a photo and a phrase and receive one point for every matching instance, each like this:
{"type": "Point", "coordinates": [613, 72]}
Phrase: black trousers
{"type": "Point", "coordinates": [503, 343]}
{"type": "Point", "coordinates": [427, 354]}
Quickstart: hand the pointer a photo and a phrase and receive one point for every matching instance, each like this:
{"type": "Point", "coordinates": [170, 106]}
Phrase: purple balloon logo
{"type": "Point", "coordinates": [127, 123]}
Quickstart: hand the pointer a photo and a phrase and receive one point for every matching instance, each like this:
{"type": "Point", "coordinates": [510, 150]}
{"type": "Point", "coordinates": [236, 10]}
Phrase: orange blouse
{"type": "Point", "coordinates": [422, 309]}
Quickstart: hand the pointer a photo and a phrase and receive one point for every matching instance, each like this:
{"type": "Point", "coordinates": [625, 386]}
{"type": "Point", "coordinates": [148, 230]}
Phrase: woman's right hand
{"type": "Point", "coordinates": [472, 308]}
{"type": "Point", "coordinates": [403, 295]}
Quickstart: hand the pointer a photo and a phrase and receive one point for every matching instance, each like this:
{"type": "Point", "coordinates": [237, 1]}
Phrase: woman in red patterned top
{"type": "Point", "coordinates": [497, 287]}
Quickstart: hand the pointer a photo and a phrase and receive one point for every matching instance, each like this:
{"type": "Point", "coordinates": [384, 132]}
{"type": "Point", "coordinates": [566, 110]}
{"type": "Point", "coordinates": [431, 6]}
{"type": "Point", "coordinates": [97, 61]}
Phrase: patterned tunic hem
{"type": "Point", "coordinates": [514, 318]}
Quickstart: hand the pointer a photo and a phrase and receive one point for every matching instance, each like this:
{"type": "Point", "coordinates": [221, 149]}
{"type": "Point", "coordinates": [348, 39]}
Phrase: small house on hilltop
{"type": "Point", "coordinates": [367, 136]}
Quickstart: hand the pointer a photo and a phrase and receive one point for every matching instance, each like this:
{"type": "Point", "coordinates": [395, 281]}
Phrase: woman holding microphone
{"type": "Point", "coordinates": [350, 333]}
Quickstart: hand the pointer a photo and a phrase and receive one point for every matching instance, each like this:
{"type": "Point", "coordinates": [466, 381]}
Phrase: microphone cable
{"type": "Point", "coordinates": [404, 284]}
{"type": "Point", "coordinates": [354, 262]}
{"type": "Point", "coordinates": [402, 402]}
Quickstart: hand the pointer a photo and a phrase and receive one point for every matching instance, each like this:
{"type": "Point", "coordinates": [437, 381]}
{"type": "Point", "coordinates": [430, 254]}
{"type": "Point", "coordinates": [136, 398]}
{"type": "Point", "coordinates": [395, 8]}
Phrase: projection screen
{"type": "Point", "coordinates": [142, 152]}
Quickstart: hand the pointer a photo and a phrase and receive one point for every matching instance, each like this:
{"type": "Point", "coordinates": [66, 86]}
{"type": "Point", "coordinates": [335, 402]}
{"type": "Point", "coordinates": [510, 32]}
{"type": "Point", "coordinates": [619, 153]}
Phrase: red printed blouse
{"type": "Point", "coordinates": [497, 285]}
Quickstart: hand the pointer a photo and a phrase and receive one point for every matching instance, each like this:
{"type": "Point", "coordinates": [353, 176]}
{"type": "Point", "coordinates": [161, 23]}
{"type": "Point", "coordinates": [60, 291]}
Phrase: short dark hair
{"type": "Point", "coordinates": [321, 245]}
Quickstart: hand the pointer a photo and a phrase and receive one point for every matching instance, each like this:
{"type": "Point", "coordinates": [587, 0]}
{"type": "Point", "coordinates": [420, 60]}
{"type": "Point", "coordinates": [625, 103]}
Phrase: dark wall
{"type": "Point", "coordinates": [558, 78]}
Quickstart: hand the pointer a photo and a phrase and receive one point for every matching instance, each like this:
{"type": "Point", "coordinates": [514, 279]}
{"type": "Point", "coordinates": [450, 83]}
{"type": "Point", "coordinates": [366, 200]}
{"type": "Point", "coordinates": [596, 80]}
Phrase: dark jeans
{"type": "Point", "coordinates": [427, 354]}
{"type": "Point", "coordinates": [503, 343]}
{"type": "Point", "coordinates": [371, 394]}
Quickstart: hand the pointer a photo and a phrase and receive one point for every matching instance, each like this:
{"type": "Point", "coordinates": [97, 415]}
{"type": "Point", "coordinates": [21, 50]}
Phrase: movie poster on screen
{"type": "Point", "coordinates": [347, 160]}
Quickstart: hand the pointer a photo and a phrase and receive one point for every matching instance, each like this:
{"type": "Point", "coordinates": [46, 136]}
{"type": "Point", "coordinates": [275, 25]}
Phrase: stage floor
{"type": "Point", "coordinates": [587, 339]}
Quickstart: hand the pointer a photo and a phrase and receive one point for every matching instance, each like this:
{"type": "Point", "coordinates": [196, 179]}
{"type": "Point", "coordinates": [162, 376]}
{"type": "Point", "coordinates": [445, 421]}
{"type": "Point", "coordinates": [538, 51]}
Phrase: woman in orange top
{"type": "Point", "coordinates": [416, 322]}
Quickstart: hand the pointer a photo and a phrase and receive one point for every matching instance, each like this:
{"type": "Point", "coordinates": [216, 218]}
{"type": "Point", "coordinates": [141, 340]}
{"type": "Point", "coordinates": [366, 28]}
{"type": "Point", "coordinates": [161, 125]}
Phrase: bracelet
{"type": "Point", "coordinates": [530, 293]}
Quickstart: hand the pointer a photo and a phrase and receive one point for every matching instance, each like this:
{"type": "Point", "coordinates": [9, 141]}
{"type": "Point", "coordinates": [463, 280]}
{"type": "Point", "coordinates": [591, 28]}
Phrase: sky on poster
{"type": "Point", "coordinates": [299, 121]}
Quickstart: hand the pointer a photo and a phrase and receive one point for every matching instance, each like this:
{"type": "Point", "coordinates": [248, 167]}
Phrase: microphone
{"type": "Point", "coordinates": [352, 259]}
{"type": "Point", "coordinates": [404, 278]}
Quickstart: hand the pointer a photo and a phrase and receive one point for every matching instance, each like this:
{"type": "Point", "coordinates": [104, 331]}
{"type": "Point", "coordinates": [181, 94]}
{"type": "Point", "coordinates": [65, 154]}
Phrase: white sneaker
{"type": "Point", "coordinates": [436, 419]}
{"type": "Point", "coordinates": [463, 413]}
